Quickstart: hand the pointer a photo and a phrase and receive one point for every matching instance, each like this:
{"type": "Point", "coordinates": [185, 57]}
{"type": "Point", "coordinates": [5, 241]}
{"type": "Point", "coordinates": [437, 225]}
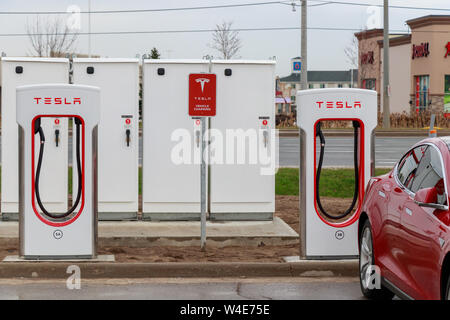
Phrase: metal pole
{"type": "Point", "coordinates": [386, 107]}
{"type": "Point", "coordinates": [304, 51]}
{"type": "Point", "coordinates": [203, 187]}
{"type": "Point", "coordinates": [89, 29]}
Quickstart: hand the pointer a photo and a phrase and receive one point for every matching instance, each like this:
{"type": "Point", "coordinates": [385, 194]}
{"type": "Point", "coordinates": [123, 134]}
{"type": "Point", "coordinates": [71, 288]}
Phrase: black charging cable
{"type": "Point", "coordinates": [38, 129]}
{"type": "Point", "coordinates": [319, 133]}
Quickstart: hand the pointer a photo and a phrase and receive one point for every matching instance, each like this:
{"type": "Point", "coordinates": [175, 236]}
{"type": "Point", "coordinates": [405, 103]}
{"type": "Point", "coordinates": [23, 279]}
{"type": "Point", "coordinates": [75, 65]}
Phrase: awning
{"type": "Point", "coordinates": [282, 100]}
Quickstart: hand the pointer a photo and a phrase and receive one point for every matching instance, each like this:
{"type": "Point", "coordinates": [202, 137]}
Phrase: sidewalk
{"type": "Point", "coordinates": [180, 233]}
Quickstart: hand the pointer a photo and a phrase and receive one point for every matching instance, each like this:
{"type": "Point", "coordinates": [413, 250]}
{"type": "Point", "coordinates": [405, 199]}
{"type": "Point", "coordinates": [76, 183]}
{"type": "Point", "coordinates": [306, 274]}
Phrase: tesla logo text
{"type": "Point", "coordinates": [51, 100]}
{"type": "Point", "coordinates": [202, 82]}
{"type": "Point", "coordinates": [339, 104]}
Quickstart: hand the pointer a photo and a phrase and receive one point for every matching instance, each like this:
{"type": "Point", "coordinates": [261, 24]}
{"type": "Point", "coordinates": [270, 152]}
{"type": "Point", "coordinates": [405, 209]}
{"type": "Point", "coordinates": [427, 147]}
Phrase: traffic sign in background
{"type": "Point", "coordinates": [202, 95]}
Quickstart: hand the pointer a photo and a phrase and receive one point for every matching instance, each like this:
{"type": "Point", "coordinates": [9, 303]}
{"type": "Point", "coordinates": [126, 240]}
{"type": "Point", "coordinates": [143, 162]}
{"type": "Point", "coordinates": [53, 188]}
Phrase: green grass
{"type": "Point", "coordinates": [336, 183]}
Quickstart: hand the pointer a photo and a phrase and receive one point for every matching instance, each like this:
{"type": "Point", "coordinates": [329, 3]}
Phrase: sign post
{"type": "Point", "coordinates": [202, 103]}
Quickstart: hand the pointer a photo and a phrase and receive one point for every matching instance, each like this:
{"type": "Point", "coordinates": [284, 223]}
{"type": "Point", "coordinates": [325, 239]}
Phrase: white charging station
{"type": "Point", "coordinates": [19, 71]}
{"type": "Point", "coordinates": [322, 235]}
{"type": "Point", "coordinates": [244, 190]}
{"type": "Point", "coordinates": [118, 132]}
{"type": "Point", "coordinates": [43, 231]}
{"type": "Point", "coordinates": [170, 190]}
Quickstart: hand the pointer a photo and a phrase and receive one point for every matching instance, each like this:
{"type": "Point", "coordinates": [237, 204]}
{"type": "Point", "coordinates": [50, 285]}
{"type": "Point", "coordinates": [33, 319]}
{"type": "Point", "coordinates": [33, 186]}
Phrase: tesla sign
{"type": "Point", "coordinates": [202, 95]}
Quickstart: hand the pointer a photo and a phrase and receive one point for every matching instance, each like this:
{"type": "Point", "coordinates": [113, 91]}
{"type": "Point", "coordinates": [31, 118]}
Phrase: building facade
{"type": "Point", "coordinates": [419, 65]}
{"type": "Point", "coordinates": [287, 87]}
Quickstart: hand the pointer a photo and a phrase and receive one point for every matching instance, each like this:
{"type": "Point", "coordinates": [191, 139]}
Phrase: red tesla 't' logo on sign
{"type": "Point", "coordinates": [448, 50]}
{"type": "Point", "coordinates": [202, 95]}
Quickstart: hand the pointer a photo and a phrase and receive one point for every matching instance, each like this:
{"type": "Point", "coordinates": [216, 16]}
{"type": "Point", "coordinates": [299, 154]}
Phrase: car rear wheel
{"type": "Point", "coordinates": [366, 261]}
{"type": "Point", "coordinates": [447, 290]}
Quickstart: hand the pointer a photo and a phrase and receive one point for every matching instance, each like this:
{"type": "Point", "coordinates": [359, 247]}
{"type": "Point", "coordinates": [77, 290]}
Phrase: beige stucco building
{"type": "Point", "coordinates": [419, 65]}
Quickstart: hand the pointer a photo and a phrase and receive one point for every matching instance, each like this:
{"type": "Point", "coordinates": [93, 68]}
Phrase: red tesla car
{"type": "Point", "coordinates": [404, 227]}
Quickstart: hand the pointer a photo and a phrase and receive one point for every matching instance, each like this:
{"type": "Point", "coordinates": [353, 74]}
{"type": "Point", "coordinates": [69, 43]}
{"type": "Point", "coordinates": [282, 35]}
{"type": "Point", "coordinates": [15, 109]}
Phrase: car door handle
{"type": "Point", "coordinates": [408, 211]}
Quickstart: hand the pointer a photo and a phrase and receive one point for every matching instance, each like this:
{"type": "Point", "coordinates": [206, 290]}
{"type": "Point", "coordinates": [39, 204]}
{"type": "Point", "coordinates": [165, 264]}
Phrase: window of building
{"type": "Point", "coordinates": [422, 92]}
{"type": "Point", "coordinates": [280, 107]}
{"type": "Point", "coordinates": [293, 98]}
{"type": "Point", "coordinates": [369, 84]}
{"type": "Point", "coordinates": [311, 86]}
{"type": "Point", "coordinates": [322, 85]}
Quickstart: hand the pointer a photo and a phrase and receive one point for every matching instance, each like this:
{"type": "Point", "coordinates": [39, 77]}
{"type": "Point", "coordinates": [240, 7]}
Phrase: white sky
{"type": "Point", "coordinates": [325, 52]}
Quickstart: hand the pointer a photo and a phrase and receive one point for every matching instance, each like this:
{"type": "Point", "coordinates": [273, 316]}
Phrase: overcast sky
{"type": "Point", "coordinates": [326, 48]}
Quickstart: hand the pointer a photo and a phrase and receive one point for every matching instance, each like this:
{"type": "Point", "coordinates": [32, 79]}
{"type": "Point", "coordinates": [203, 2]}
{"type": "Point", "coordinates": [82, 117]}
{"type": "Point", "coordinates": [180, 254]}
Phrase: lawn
{"type": "Point", "coordinates": [336, 183]}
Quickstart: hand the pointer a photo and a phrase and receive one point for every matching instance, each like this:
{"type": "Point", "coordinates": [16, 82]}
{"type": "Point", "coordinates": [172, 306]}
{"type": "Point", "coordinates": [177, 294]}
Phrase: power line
{"type": "Point", "coordinates": [400, 32]}
{"type": "Point", "coordinates": [224, 6]}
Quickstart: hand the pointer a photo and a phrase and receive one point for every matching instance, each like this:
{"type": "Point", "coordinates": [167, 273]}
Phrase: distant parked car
{"type": "Point", "coordinates": [404, 228]}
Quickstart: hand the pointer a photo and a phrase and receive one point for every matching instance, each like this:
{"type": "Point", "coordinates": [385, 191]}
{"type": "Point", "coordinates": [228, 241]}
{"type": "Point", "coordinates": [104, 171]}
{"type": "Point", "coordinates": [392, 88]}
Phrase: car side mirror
{"type": "Point", "coordinates": [428, 198]}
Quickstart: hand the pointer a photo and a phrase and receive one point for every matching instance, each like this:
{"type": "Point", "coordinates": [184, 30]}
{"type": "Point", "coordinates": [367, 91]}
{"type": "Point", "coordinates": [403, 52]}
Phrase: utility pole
{"type": "Point", "coordinates": [386, 88]}
{"type": "Point", "coordinates": [304, 43]}
{"type": "Point", "coordinates": [89, 29]}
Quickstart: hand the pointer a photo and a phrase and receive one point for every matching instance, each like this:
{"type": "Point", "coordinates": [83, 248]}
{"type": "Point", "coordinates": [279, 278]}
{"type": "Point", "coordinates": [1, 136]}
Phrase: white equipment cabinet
{"type": "Point", "coordinates": [118, 136]}
{"type": "Point", "coordinates": [43, 231]}
{"type": "Point", "coordinates": [18, 72]}
{"type": "Point", "coordinates": [170, 190]}
{"type": "Point", "coordinates": [245, 190]}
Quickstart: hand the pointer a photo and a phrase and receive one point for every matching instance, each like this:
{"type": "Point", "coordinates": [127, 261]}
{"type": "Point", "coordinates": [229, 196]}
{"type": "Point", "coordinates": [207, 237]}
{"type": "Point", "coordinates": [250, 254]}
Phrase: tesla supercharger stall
{"type": "Point", "coordinates": [326, 234]}
{"type": "Point", "coordinates": [118, 133]}
{"type": "Point", "coordinates": [43, 231]}
{"type": "Point", "coordinates": [24, 71]}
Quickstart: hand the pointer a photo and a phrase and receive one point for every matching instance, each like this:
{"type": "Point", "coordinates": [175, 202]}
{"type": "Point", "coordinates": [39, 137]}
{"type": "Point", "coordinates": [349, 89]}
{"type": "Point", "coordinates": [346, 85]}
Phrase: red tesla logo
{"type": "Point", "coordinates": [339, 104]}
{"type": "Point", "coordinates": [448, 50]}
{"type": "Point", "coordinates": [57, 100]}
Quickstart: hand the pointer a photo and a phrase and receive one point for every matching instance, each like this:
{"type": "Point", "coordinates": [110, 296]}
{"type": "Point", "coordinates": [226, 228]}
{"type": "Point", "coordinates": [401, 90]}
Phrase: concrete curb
{"type": "Point", "coordinates": [58, 270]}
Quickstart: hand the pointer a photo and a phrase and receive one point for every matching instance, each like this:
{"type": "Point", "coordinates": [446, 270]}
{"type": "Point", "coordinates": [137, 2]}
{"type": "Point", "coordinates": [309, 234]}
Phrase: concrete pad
{"type": "Point", "coordinates": [99, 258]}
{"type": "Point", "coordinates": [183, 233]}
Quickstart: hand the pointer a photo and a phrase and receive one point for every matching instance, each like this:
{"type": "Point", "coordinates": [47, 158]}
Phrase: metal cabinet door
{"type": "Point", "coordinates": [118, 148]}
{"type": "Point", "coordinates": [245, 107]}
{"type": "Point", "coordinates": [171, 186]}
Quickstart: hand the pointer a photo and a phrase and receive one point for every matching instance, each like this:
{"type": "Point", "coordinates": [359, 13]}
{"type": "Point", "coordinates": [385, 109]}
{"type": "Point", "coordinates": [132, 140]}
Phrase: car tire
{"type": "Point", "coordinates": [366, 259]}
{"type": "Point", "coordinates": [447, 289]}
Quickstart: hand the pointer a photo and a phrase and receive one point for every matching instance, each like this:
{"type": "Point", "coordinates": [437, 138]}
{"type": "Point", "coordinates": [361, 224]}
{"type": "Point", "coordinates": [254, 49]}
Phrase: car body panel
{"type": "Point", "coordinates": [410, 241]}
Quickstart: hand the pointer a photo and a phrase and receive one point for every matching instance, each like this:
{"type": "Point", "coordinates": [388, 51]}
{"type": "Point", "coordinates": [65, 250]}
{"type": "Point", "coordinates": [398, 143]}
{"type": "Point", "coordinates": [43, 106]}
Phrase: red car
{"type": "Point", "coordinates": [404, 227]}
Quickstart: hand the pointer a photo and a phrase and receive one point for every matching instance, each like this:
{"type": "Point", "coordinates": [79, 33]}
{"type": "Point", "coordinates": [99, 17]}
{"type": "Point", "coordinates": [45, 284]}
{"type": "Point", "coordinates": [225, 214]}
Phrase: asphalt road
{"type": "Point", "coordinates": [195, 289]}
{"type": "Point", "coordinates": [338, 151]}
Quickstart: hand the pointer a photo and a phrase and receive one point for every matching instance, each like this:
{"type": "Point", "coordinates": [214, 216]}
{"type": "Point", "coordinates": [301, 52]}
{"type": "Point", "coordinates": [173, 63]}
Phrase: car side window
{"type": "Point", "coordinates": [408, 165]}
{"type": "Point", "coordinates": [430, 174]}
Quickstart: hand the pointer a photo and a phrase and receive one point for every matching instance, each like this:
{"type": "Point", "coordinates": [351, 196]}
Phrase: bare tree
{"type": "Point", "coordinates": [226, 41]}
{"type": "Point", "coordinates": [351, 53]}
{"type": "Point", "coordinates": [51, 38]}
